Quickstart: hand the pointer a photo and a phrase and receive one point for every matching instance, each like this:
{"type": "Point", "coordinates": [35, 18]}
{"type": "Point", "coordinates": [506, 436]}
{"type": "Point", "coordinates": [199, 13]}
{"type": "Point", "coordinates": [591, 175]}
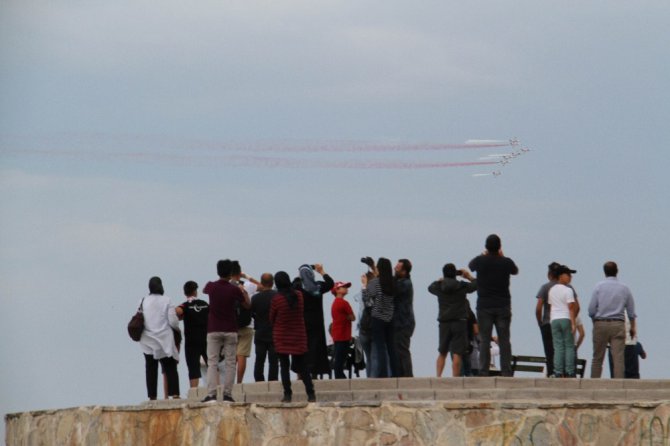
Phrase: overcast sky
{"type": "Point", "coordinates": [154, 138]}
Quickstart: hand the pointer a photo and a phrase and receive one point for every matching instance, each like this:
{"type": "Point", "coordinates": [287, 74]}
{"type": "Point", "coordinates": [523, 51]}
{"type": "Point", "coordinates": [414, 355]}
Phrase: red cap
{"type": "Point", "coordinates": [340, 285]}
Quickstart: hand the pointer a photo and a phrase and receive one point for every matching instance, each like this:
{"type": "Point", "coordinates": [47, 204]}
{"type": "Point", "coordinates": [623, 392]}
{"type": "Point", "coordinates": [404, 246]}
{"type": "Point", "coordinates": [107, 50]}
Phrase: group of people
{"type": "Point", "coordinates": [289, 329]}
{"type": "Point", "coordinates": [468, 336]}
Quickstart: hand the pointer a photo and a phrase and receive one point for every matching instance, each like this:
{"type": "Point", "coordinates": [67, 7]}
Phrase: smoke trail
{"type": "Point", "coordinates": [238, 160]}
{"type": "Point", "coordinates": [161, 143]}
{"type": "Point", "coordinates": [252, 161]}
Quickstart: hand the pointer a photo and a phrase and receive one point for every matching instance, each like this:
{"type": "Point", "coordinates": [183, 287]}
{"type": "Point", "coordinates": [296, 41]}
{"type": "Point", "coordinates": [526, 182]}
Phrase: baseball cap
{"type": "Point", "coordinates": [340, 285]}
{"type": "Point", "coordinates": [563, 269]}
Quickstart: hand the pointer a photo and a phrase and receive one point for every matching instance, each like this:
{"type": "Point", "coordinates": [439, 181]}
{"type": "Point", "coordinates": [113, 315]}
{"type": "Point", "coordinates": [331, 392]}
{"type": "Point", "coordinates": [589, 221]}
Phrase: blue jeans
{"type": "Point", "coordinates": [383, 345]}
{"type": "Point", "coordinates": [366, 343]}
{"type": "Point", "coordinates": [501, 318]}
{"type": "Point", "coordinates": [564, 347]}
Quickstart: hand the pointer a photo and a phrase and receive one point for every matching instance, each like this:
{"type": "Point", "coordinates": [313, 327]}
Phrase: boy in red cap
{"type": "Point", "coordinates": [342, 315]}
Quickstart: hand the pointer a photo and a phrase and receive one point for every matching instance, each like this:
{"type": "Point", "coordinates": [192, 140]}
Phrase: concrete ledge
{"type": "Point", "coordinates": [656, 384]}
{"type": "Point", "coordinates": [321, 385]}
{"type": "Point", "coordinates": [557, 383]}
{"type": "Point", "coordinates": [430, 389]}
{"type": "Point", "coordinates": [513, 383]}
{"type": "Point", "coordinates": [374, 383]}
{"type": "Point", "coordinates": [602, 383]}
{"type": "Point", "coordinates": [415, 383]}
{"type": "Point", "coordinates": [487, 382]}
{"type": "Point", "coordinates": [446, 383]}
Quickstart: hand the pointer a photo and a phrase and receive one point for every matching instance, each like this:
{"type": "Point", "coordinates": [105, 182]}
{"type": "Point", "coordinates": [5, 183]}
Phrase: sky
{"type": "Point", "coordinates": [155, 138]}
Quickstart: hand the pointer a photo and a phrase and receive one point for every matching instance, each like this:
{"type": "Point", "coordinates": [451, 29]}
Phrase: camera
{"type": "Point", "coordinates": [368, 261]}
{"type": "Point", "coordinates": [459, 272]}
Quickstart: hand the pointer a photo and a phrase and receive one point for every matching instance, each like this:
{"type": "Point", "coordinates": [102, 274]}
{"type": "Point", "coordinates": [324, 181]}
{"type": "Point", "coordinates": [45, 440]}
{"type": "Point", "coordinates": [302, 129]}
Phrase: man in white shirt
{"type": "Point", "coordinates": [562, 315]}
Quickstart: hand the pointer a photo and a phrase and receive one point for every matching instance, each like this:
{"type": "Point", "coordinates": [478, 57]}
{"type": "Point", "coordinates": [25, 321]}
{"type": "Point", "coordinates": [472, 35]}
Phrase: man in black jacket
{"type": "Point", "coordinates": [403, 317]}
{"type": "Point", "coordinates": [260, 311]}
{"type": "Point", "coordinates": [453, 315]}
{"type": "Point", "coordinates": [494, 303]}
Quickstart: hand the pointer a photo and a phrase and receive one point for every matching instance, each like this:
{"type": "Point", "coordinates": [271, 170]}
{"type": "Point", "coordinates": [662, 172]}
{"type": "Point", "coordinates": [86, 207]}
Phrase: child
{"type": "Point", "coordinates": [342, 315]}
{"type": "Point", "coordinates": [194, 312]}
{"type": "Point", "coordinates": [562, 316]}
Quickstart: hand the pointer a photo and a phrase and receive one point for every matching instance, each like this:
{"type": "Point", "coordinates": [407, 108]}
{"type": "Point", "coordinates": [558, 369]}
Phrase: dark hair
{"type": "Point", "coordinates": [224, 268]}
{"type": "Point", "coordinates": [386, 276]}
{"type": "Point", "coordinates": [156, 286]}
{"type": "Point", "coordinates": [553, 269]}
{"type": "Point", "coordinates": [449, 271]}
{"type": "Point", "coordinates": [406, 266]}
{"type": "Point", "coordinates": [493, 244]}
{"type": "Point", "coordinates": [285, 288]}
{"type": "Point", "coordinates": [611, 269]}
{"type": "Point", "coordinates": [189, 288]}
{"type": "Point", "coordinates": [235, 269]}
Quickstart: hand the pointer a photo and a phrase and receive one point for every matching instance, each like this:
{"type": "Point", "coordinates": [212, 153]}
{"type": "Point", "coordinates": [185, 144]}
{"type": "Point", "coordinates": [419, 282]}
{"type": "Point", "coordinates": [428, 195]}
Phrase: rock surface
{"type": "Point", "coordinates": [505, 418]}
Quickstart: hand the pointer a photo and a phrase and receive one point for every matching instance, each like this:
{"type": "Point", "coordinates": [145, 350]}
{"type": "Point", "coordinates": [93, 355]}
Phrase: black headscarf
{"type": "Point", "coordinates": [156, 286]}
{"type": "Point", "coordinates": [283, 284]}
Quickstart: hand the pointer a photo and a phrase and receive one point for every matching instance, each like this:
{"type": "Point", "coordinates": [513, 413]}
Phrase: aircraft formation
{"type": "Point", "coordinates": [317, 154]}
{"type": "Point", "coordinates": [503, 159]}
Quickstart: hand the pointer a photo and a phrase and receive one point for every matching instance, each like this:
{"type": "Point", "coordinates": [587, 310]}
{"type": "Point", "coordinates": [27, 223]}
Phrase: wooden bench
{"type": "Point", "coordinates": [537, 364]}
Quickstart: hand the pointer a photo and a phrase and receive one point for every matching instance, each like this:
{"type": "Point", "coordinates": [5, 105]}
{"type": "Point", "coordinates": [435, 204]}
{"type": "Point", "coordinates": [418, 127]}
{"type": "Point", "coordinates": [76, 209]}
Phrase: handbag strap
{"type": "Point", "coordinates": [140, 309]}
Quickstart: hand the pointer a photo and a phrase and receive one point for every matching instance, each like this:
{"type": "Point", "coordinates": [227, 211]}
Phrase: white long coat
{"type": "Point", "coordinates": [160, 318]}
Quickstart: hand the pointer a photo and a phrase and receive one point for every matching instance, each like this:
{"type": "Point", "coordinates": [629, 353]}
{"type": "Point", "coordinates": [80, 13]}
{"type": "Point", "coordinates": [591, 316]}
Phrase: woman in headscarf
{"type": "Point", "coordinates": [312, 290]}
{"type": "Point", "coordinates": [379, 292]}
{"type": "Point", "coordinates": [289, 336]}
{"type": "Point", "coordinates": [158, 342]}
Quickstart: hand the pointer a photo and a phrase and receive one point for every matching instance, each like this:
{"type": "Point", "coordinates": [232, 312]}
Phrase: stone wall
{"type": "Point", "coordinates": [348, 423]}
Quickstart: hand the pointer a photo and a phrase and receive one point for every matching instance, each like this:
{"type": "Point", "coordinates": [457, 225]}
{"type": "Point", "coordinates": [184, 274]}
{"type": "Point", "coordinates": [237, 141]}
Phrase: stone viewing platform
{"type": "Point", "coordinates": [447, 389]}
{"type": "Point", "coordinates": [392, 411]}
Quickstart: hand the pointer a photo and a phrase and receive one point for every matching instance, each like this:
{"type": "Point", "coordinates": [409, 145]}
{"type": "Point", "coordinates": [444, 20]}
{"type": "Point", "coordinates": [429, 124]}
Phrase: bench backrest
{"type": "Point", "coordinates": [537, 364]}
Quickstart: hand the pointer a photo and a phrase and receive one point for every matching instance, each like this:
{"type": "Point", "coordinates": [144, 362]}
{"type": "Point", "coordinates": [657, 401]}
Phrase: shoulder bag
{"type": "Point", "coordinates": [136, 324]}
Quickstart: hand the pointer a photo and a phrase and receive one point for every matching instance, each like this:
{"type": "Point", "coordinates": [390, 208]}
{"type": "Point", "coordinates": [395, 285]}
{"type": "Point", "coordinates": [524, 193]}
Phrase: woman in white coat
{"type": "Point", "coordinates": [157, 342]}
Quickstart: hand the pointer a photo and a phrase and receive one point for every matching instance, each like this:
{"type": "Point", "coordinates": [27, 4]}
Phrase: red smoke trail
{"type": "Point", "coordinates": [353, 148]}
{"type": "Point", "coordinates": [239, 160]}
{"type": "Point", "coordinates": [253, 161]}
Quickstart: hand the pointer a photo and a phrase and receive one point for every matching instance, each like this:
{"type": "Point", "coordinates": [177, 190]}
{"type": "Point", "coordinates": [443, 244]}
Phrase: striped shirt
{"type": "Point", "coordinates": [382, 304]}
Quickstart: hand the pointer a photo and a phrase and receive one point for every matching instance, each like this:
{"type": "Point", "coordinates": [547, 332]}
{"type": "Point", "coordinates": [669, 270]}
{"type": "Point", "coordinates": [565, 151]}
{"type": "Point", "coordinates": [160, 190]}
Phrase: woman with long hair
{"type": "Point", "coordinates": [289, 335]}
{"type": "Point", "coordinates": [157, 342]}
{"type": "Point", "coordinates": [379, 292]}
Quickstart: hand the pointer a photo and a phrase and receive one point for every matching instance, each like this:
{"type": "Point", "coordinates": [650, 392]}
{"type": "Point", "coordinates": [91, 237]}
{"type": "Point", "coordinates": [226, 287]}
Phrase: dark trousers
{"type": "Point", "coordinates": [631, 362]}
{"type": "Point", "coordinates": [263, 350]}
{"type": "Point", "coordinates": [298, 361]}
{"type": "Point", "coordinates": [383, 345]}
{"type": "Point", "coordinates": [402, 338]}
{"type": "Point", "coordinates": [193, 353]}
{"type": "Point", "coordinates": [548, 343]}
{"type": "Point", "coordinates": [340, 350]}
{"type": "Point", "coordinates": [500, 318]}
{"type": "Point", "coordinates": [169, 365]}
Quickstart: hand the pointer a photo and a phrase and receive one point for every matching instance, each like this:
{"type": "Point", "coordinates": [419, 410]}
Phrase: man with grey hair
{"type": "Point", "coordinates": [609, 301]}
